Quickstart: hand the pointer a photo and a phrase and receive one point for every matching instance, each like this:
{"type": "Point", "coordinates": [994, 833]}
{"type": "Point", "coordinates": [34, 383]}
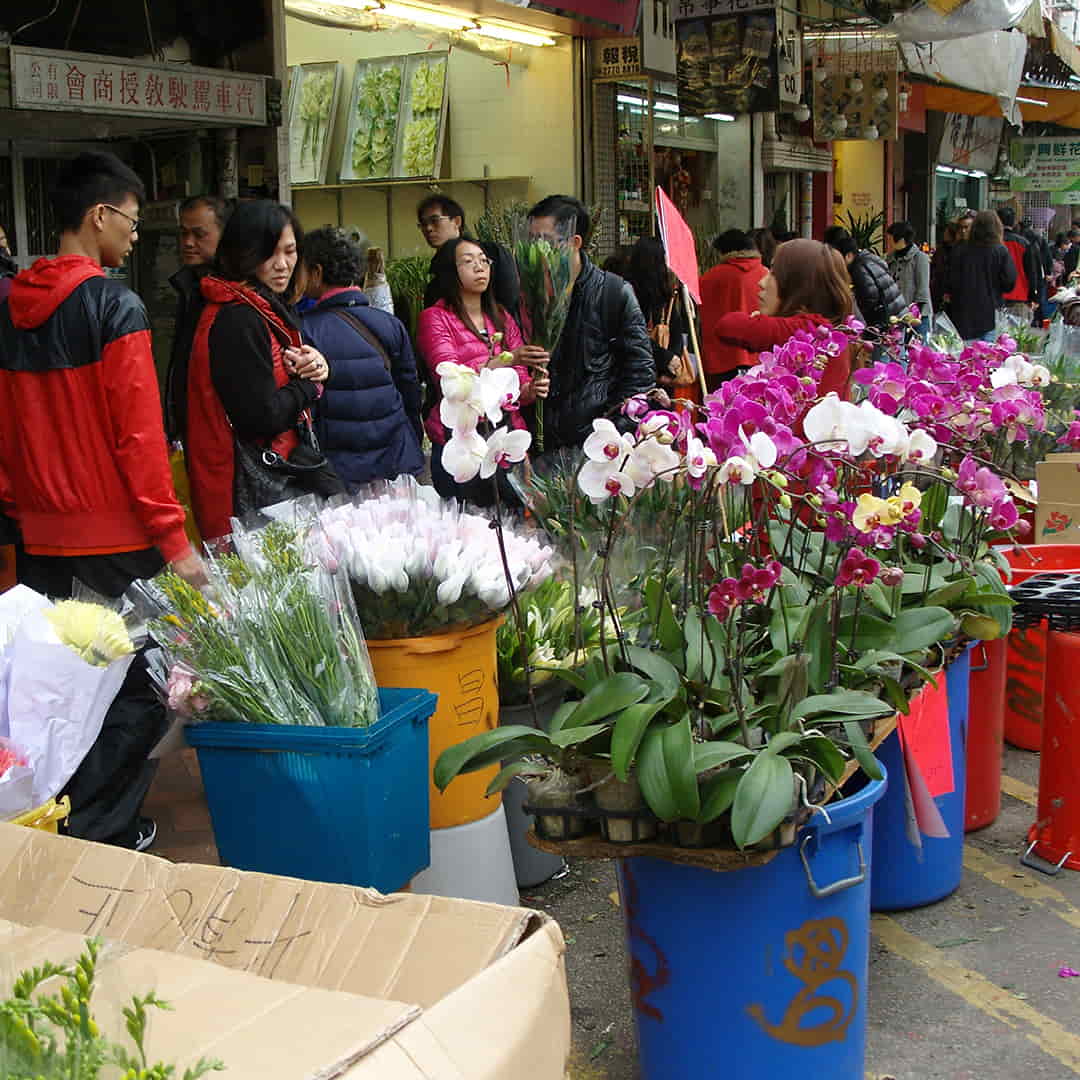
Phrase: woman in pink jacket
{"type": "Point", "coordinates": [466, 326]}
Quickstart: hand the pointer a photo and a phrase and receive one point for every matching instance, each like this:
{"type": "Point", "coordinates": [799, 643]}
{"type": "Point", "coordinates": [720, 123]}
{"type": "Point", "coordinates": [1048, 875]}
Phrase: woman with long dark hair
{"type": "Point", "coordinates": [466, 325]}
{"type": "Point", "coordinates": [656, 289]}
{"type": "Point", "coordinates": [368, 421]}
{"type": "Point", "coordinates": [806, 287]}
{"type": "Point", "coordinates": [251, 380]}
{"type": "Point", "coordinates": [981, 272]}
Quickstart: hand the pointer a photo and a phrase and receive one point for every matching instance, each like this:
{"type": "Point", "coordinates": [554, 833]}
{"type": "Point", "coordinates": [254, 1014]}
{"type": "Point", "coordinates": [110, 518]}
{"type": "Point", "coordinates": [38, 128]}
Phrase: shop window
{"type": "Point", "coordinates": [39, 174]}
{"type": "Point", "coordinates": [7, 203]}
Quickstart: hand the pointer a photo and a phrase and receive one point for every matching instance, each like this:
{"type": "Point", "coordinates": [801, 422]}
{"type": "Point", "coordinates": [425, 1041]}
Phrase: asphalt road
{"type": "Point", "coordinates": [965, 989]}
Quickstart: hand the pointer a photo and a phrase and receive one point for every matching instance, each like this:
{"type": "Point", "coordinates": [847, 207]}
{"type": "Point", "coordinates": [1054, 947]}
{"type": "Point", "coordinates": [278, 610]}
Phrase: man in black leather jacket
{"type": "Point", "coordinates": [876, 292]}
{"type": "Point", "coordinates": [604, 355]}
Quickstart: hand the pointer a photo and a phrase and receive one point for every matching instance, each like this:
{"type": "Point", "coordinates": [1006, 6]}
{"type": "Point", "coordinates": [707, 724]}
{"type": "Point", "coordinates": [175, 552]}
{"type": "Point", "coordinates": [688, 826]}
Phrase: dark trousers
{"type": "Point", "coordinates": [108, 788]}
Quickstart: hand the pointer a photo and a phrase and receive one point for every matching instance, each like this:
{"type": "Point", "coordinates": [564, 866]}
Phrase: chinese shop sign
{"type": "Point", "coordinates": [1050, 163]}
{"type": "Point", "coordinates": [106, 85]}
{"type": "Point", "coordinates": [617, 58]}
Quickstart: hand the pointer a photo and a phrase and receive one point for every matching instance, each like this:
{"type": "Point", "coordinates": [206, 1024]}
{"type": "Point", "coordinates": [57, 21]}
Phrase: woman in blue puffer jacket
{"type": "Point", "coordinates": [368, 419]}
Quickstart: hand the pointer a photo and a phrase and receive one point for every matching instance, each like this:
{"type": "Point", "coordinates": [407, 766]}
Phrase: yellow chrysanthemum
{"type": "Point", "coordinates": [97, 634]}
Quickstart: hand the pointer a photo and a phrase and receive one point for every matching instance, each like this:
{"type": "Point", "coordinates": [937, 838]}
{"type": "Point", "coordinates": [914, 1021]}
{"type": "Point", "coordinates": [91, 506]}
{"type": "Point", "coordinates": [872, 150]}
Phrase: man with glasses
{"type": "Point", "coordinates": [84, 469]}
{"type": "Point", "coordinates": [604, 355]}
{"type": "Point", "coordinates": [440, 219]}
{"type": "Point", "coordinates": [202, 219]}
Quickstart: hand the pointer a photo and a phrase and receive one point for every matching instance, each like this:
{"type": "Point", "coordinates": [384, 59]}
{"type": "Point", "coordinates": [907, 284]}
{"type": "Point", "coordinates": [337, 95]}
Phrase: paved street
{"type": "Point", "coordinates": [967, 989]}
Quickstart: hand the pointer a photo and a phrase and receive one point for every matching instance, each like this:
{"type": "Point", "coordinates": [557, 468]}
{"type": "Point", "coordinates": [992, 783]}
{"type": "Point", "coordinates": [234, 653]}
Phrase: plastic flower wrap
{"type": "Point", "coordinates": [276, 642]}
{"type": "Point", "coordinates": [16, 781]}
{"type": "Point", "coordinates": [60, 669]}
{"type": "Point", "coordinates": [420, 564]}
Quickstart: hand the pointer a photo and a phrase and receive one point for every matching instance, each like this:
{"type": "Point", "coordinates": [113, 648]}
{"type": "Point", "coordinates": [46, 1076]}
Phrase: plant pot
{"type": "Point", "coordinates": [694, 834]}
{"type": "Point", "coordinates": [626, 819]}
{"type": "Point", "coordinates": [559, 791]}
{"type": "Point", "coordinates": [797, 1004]}
{"type": "Point", "coordinates": [531, 865]}
{"type": "Point", "coordinates": [460, 667]}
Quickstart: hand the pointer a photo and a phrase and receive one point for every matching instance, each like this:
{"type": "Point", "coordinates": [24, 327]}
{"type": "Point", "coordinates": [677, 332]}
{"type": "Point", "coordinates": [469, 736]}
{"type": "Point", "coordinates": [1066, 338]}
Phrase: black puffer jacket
{"type": "Point", "coordinates": [596, 367]}
{"type": "Point", "coordinates": [876, 292]}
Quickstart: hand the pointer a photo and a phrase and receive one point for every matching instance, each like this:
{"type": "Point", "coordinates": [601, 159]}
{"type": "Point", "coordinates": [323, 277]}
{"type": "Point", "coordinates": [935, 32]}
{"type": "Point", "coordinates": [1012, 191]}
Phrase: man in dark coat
{"type": "Point", "coordinates": [604, 355]}
{"type": "Point", "coordinates": [878, 296]}
{"type": "Point", "coordinates": [202, 218]}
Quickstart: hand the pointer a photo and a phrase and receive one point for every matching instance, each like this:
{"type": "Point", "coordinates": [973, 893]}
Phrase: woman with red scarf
{"type": "Point", "coordinates": [251, 379]}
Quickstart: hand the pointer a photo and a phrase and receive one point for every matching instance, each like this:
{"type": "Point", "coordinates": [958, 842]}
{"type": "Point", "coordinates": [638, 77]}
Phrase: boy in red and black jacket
{"type": "Point", "coordinates": [84, 468]}
{"type": "Point", "coordinates": [1023, 297]}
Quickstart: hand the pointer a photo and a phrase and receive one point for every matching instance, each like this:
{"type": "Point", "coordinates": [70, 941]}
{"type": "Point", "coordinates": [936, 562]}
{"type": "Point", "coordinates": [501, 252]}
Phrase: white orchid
{"type": "Point", "coordinates": [737, 470]}
{"type": "Point", "coordinates": [699, 458]}
{"type": "Point", "coordinates": [650, 459]}
{"type": "Point", "coordinates": [921, 447]}
{"type": "Point", "coordinates": [888, 435]}
{"type": "Point", "coordinates": [498, 390]}
{"type": "Point", "coordinates": [833, 424]}
{"type": "Point", "coordinates": [504, 447]}
{"type": "Point", "coordinates": [463, 454]}
{"type": "Point", "coordinates": [607, 443]}
{"type": "Point", "coordinates": [602, 479]}
{"type": "Point", "coordinates": [1040, 375]}
{"type": "Point", "coordinates": [456, 381]}
{"type": "Point", "coordinates": [1017, 370]}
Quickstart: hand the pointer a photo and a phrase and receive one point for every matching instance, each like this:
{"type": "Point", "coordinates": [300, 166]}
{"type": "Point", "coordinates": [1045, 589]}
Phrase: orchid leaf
{"type": "Point", "coordinates": [861, 749]}
{"type": "Point", "coordinates": [717, 794]}
{"type": "Point", "coordinates": [487, 747]}
{"type": "Point", "coordinates": [610, 696]}
{"type": "Point", "coordinates": [630, 727]}
{"type": "Point", "coordinates": [763, 798]}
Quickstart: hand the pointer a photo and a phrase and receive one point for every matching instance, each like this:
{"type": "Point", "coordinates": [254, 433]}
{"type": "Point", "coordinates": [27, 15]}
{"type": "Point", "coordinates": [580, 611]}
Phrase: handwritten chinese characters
{"type": "Point", "coordinates": [81, 82]}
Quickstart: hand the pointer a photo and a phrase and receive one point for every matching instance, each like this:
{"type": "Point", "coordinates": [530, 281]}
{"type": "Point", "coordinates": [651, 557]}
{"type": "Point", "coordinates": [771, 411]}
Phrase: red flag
{"type": "Point", "coordinates": [678, 242]}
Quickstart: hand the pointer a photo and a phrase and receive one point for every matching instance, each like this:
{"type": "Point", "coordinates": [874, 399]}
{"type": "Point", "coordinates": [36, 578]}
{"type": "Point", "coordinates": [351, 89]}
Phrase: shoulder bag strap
{"type": "Point", "coordinates": [368, 335]}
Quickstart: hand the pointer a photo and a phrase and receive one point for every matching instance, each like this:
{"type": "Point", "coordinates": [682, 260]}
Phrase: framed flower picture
{"type": "Point", "coordinates": [313, 96]}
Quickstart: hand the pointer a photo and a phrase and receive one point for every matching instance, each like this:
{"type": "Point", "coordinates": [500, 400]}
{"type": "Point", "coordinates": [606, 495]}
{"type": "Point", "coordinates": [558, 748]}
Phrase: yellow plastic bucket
{"type": "Point", "coordinates": [460, 667]}
{"type": "Point", "coordinates": [47, 818]}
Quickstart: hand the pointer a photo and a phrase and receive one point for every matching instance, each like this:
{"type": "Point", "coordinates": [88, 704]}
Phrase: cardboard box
{"type": "Point", "coordinates": [285, 979]}
{"type": "Point", "coordinates": [1057, 517]}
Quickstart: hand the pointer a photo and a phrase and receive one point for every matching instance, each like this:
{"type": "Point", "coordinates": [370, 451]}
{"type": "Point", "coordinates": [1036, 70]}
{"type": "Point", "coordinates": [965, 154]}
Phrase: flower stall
{"type": "Point", "coordinates": [809, 598]}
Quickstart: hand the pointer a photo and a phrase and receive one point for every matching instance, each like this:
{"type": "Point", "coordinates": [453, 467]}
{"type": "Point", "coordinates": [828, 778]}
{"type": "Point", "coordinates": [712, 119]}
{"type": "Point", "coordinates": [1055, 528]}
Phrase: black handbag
{"type": "Point", "coordinates": [262, 477]}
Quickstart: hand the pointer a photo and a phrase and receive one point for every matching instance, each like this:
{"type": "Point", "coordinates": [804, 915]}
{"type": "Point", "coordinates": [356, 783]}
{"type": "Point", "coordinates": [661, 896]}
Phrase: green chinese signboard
{"type": "Point", "coordinates": [1049, 163]}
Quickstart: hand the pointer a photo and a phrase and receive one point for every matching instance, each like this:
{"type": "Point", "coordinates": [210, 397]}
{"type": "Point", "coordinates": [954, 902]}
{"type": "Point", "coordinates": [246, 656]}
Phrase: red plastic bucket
{"type": "Point", "coordinates": [986, 723]}
{"type": "Point", "coordinates": [1025, 654]}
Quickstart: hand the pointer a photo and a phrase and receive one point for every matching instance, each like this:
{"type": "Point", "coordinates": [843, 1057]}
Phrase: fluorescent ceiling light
{"type": "Point", "coordinates": [726, 117]}
{"type": "Point", "coordinates": [666, 106]}
{"type": "Point", "coordinates": [1032, 101]}
{"type": "Point", "coordinates": [519, 35]}
{"type": "Point", "coordinates": [360, 5]}
{"type": "Point", "coordinates": [946, 169]}
{"type": "Point", "coordinates": [626, 99]}
{"type": "Point", "coordinates": [428, 16]}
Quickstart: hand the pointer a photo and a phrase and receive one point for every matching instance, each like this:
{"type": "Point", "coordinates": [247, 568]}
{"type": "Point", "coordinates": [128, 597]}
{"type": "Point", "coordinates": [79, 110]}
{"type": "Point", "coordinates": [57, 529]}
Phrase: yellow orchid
{"type": "Point", "coordinates": [97, 634]}
{"type": "Point", "coordinates": [907, 501]}
{"type": "Point", "coordinates": [870, 512]}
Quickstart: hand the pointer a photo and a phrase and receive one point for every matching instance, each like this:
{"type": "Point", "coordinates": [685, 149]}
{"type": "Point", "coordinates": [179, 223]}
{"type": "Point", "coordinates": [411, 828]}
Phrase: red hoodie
{"type": "Point", "coordinates": [84, 466]}
{"type": "Point", "coordinates": [760, 332]}
{"type": "Point", "coordinates": [731, 285]}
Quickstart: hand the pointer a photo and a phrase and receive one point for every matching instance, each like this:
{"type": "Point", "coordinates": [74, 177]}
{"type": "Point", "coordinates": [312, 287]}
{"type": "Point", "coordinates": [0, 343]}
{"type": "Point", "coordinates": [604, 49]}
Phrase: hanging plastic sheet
{"type": "Point", "coordinates": [922, 23]}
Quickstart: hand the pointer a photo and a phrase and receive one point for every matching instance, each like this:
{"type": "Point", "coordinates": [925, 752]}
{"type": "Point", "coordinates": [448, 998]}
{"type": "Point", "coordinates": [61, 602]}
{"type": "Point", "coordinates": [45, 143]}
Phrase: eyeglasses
{"type": "Point", "coordinates": [116, 210]}
{"type": "Point", "coordinates": [476, 262]}
{"type": "Point", "coordinates": [431, 221]}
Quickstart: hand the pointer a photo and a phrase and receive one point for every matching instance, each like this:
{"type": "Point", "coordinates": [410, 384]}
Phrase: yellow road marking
{"type": "Point", "coordinates": [1026, 885]}
{"type": "Point", "coordinates": [1019, 790]}
{"type": "Point", "coordinates": [1047, 1034]}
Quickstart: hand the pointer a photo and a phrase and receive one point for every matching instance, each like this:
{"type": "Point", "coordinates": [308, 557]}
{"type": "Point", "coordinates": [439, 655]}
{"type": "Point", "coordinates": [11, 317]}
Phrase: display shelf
{"type": "Point", "coordinates": [720, 859]}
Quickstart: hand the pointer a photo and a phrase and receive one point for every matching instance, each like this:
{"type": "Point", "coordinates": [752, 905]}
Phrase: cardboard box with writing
{"type": "Point", "coordinates": [285, 979]}
{"type": "Point", "coordinates": [1057, 517]}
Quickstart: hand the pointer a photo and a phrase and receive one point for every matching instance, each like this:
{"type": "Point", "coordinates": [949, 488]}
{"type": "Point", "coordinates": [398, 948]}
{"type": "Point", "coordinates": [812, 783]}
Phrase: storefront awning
{"type": "Point", "coordinates": [1064, 49]}
{"type": "Point", "coordinates": [1062, 106]}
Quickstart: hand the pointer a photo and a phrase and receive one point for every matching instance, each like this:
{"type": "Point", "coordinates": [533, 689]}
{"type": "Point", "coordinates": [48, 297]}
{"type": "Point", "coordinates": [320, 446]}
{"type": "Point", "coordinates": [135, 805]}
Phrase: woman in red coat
{"type": "Point", "coordinates": [807, 287]}
{"type": "Point", "coordinates": [731, 285]}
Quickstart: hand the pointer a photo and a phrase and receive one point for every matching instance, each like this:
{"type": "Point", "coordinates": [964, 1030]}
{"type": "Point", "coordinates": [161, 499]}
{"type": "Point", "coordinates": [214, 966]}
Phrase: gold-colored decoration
{"type": "Point", "coordinates": [813, 955]}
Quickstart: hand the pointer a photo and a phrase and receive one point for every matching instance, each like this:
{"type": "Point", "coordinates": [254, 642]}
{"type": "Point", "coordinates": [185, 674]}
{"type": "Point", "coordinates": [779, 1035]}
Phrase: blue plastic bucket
{"type": "Point", "coordinates": [758, 972]}
{"type": "Point", "coordinates": [906, 875]}
{"type": "Point", "coordinates": [347, 805]}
